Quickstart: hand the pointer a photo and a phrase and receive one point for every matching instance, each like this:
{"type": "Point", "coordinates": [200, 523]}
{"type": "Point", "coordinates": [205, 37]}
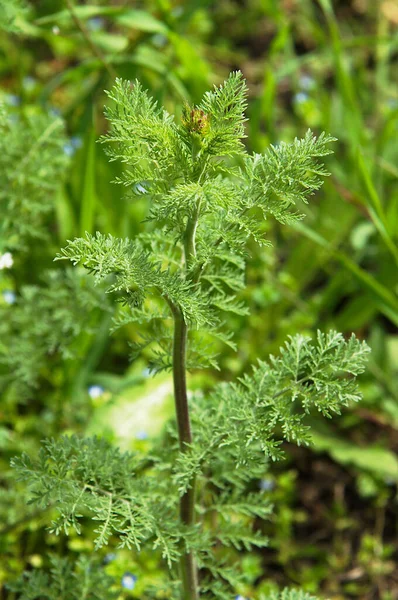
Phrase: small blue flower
{"type": "Point", "coordinates": [9, 296]}
{"type": "Point", "coordinates": [95, 24]}
{"type": "Point", "coordinates": [69, 150]}
{"type": "Point", "coordinates": [390, 481]}
{"type": "Point", "coordinates": [266, 485]}
{"type": "Point", "coordinates": [72, 145]}
{"type": "Point", "coordinates": [240, 597]}
{"type": "Point", "coordinates": [54, 112]}
{"type": "Point", "coordinates": [307, 82]}
{"type": "Point", "coordinates": [108, 558]}
{"type": "Point", "coordinates": [95, 391]}
{"type": "Point", "coordinates": [76, 141]}
{"type": "Point", "coordinates": [141, 435]}
{"type": "Point", "coordinates": [146, 372]}
{"type": "Point", "coordinates": [29, 82]}
{"type": "Point", "coordinates": [13, 100]}
{"type": "Point", "coordinates": [300, 97]}
{"type": "Point", "coordinates": [128, 581]}
{"type": "Point", "coordinates": [159, 40]}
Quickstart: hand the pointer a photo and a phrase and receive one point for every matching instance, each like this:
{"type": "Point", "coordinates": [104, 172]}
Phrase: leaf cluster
{"type": "Point", "coordinates": [288, 594]}
{"type": "Point", "coordinates": [206, 197]}
{"type": "Point", "coordinates": [239, 424]}
{"type": "Point", "coordinates": [66, 304]}
{"type": "Point", "coordinates": [10, 12]}
{"type": "Point", "coordinates": [194, 189]}
{"type": "Point", "coordinates": [286, 175]}
{"type": "Point", "coordinates": [88, 476]}
{"type": "Point", "coordinates": [32, 163]}
{"type": "Point", "coordinates": [132, 273]}
{"type": "Point", "coordinates": [84, 579]}
{"type": "Point", "coordinates": [237, 428]}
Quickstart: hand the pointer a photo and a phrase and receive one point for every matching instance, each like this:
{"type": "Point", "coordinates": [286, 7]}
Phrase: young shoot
{"type": "Point", "coordinates": [207, 196]}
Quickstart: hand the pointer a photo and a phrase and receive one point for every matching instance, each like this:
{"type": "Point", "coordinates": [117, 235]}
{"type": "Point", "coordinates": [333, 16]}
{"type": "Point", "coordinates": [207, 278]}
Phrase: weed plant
{"type": "Point", "coordinates": [188, 497]}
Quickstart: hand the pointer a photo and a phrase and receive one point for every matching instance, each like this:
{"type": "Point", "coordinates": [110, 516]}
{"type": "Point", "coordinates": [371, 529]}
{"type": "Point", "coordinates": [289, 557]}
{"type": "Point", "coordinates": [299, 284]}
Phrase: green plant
{"type": "Point", "coordinates": [68, 306]}
{"type": "Point", "coordinates": [208, 196]}
{"type": "Point", "coordinates": [83, 580]}
{"type": "Point", "coordinates": [32, 162]}
{"type": "Point", "coordinates": [10, 12]}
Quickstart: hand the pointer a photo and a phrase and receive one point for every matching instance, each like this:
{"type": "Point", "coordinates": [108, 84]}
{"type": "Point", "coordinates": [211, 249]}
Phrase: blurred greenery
{"type": "Point", "coordinates": [324, 64]}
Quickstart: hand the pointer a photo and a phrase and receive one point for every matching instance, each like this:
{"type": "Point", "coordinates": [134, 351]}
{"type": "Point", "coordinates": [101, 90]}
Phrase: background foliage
{"type": "Point", "coordinates": [319, 64]}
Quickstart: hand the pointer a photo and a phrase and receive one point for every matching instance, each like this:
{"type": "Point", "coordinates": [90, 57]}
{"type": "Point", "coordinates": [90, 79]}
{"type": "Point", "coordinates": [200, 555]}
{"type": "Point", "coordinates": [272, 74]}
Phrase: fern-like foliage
{"type": "Point", "coordinates": [181, 168]}
{"type": "Point", "coordinates": [223, 110]}
{"type": "Point", "coordinates": [32, 163]}
{"type": "Point", "coordinates": [88, 475]}
{"type": "Point", "coordinates": [67, 304]}
{"type": "Point", "coordinates": [236, 429]}
{"type": "Point", "coordinates": [158, 155]}
{"type": "Point", "coordinates": [286, 175]}
{"type": "Point", "coordinates": [238, 422]}
{"type": "Point", "coordinates": [134, 274]}
{"type": "Point", "coordinates": [86, 579]}
{"type": "Point", "coordinates": [291, 595]}
{"type": "Point", "coordinates": [187, 268]}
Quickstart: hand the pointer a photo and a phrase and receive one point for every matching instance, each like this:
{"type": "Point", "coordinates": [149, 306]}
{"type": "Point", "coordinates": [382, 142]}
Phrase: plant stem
{"type": "Point", "coordinates": [189, 571]}
{"type": "Point", "coordinates": [94, 48]}
{"type": "Point", "coordinates": [180, 386]}
{"type": "Point", "coordinates": [187, 502]}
